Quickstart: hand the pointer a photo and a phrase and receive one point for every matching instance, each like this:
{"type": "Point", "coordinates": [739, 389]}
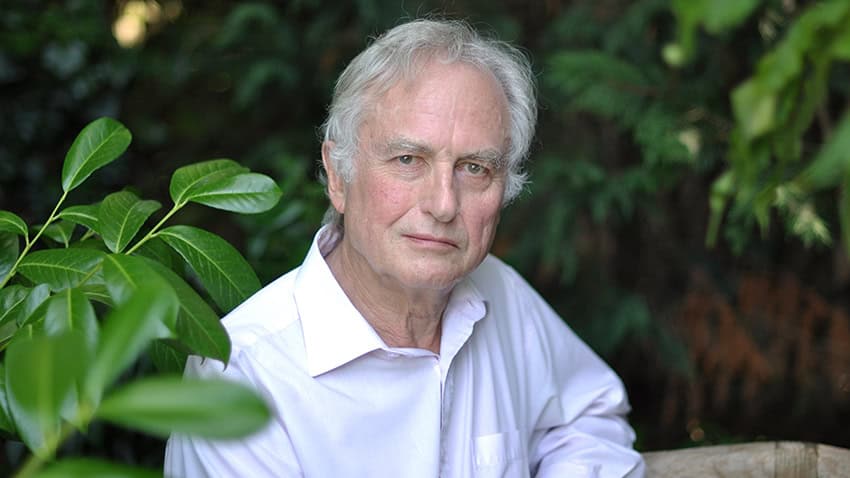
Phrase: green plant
{"type": "Point", "coordinates": [78, 309]}
{"type": "Point", "coordinates": [786, 147]}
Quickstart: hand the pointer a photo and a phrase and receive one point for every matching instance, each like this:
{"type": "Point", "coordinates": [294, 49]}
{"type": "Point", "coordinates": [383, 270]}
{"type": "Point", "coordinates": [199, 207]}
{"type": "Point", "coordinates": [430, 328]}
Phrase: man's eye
{"type": "Point", "coordinates": [406, 159]}
{"type": "Point", "coordinates": [475, 169]}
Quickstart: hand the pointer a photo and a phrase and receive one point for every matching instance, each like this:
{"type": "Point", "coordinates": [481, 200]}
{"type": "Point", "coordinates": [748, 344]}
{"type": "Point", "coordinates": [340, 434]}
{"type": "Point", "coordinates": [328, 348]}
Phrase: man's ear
{"type": "Point", "coordinates": [336, 185]}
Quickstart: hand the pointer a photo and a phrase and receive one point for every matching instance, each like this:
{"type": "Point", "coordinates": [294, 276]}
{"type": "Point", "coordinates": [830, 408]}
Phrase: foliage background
{"type": "Point", "coordinates": [746, 340]}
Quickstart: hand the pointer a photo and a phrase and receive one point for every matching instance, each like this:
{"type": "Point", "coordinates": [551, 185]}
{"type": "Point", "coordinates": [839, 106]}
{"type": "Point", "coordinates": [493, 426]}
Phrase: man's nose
{"type": "Point", "coordinates": [440, 198]}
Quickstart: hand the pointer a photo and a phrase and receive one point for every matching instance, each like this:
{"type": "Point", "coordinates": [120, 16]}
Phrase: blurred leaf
{"type": "Point", "coordinates": [97, 145]}
{"type": "Point", "coordinates": [71, 310]}
{"type": "Point", "coordinates": [831, 163]}
{"type": "Point", "coordinates": [166, 358]}
{"type": "Point", "coordinates": [722, 15]}
{"type": "Point", "coordinates": [97, 292]}
{"type": "Point", "coordinates": [9, 244]}
{"type": "Point", "coordinates": [91, 468]}
{"type": "Point", "coordinates": [121, 215]}
{"type": "Point", "coordinates": [198, 326]}
{"type": "Point", "coordinates": [40, 376]}
{"type": "Point", "coordinates": [10, 222]}
{"type": "Point", "coordinates": [60, 268]}
{"type": "Point", "coordinates": [60, 231]}
{"type": "Point", "coordinates": [186, 181]}
{"type": "Point", "coordinates": [212, 408]}
{"type": "Point", "coordinates": [755, 109]}
{"type": "Point", "coordinates": [6, 423]}
{"type": "Point", "coordinates": [223, 271]}
{"type": "Point", "coordinates": [244, 193]}
{"type": "Point", "coordinates": [84, 215]}
{"type": "Point", "coordinates": [126, 332]}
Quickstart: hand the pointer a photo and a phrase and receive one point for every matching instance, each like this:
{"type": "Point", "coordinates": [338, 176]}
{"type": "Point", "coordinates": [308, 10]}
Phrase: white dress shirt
{"type": "Point", "coordinates": [513, 392]}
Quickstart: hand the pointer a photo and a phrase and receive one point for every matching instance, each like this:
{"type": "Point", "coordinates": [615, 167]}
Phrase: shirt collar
{"type": "Point", "coordinates": [335, 332]}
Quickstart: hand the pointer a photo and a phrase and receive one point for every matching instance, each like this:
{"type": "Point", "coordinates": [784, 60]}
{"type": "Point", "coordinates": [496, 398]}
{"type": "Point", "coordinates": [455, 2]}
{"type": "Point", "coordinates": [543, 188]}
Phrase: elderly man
{"type": "Point", "coordinates": [400, 348]}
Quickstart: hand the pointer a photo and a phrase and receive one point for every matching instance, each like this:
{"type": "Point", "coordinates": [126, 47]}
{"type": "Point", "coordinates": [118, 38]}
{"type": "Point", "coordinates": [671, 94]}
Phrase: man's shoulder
{"type": "Point", "coordinates": [494, 275]}
{"type": "Point", "coordinates": [266, 313]}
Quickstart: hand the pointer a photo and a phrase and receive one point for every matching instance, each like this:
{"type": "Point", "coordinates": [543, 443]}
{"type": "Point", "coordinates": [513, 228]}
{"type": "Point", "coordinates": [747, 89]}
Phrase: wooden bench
{"type": "Point", "coordinates": [751, 460]}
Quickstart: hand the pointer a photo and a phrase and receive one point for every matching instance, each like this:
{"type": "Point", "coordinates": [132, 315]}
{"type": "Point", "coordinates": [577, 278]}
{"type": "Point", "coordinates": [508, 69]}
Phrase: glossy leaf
{"type": "Point", "coordinates": [71, 310]}
{"type": "Point", "coordinates": [97, 145]}
{"type": "Point", "coordinates": [12, 299]}
{"type": "Point", "coordinates": [186, 181]}
{"type": "Point", "coordinates": [157, 250]}
{"type": "Point", "coordinates": [126, 274]}
{"type": "Point", "coordinates": [10, 222]}
{"type": "Point", "coordinates": [84, 215]}
{"type": "Point", "coordinates": [244, 193]}
{"type": "Point", "coordinates": [60, 268]}
{"type": "Point", "coordinates": [6, 423]}
{"type": "Point", "coordinates": [198, 326]}
{"type": "Point", "coordinates": [125, 333]}
{"type": "Point", "coordinates": [224, 272]}
{"type": "Point", "coordinates": [40, 376]}
{"type": "Point", "coordinates": [121, 216]}
{"type": "Point", "coordinates": [60, 231]}
{"type": "Point", "coordinates": [9, 250]}
{"type": "Point", "coordinates": [166, 356]}
{"type": "Point", "coordinates": [91, 468]}
{"type": "Point", "coordinates": [36, 297]}
{"type": "Point", "coordinates": [212, 408]}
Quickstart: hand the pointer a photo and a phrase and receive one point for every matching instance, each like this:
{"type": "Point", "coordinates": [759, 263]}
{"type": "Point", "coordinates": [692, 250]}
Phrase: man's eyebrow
{"type": "Point", "coordinates": [406, 145]}
{"type": "Point", "coordinates": [494, 157]}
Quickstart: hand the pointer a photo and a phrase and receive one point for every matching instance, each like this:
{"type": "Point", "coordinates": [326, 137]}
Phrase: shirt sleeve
{"type": "Point", "coordinates": [267, 453]}
{"type": "Point", "coordinates": [581, 429]}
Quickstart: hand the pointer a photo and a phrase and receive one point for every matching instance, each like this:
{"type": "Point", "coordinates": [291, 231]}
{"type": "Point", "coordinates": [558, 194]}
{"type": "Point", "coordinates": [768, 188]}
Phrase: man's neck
{"type": "Point", "coordinates": [401, 318]}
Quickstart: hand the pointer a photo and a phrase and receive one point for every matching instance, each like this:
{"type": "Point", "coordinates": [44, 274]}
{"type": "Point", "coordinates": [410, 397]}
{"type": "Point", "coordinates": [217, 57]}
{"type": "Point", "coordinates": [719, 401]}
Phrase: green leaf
{"type": "Point", "coordinates": [214, 408]}
{"type": "Point", "coordinates": [36, 297]}
{"type": "Point", "coordinates": [71, 310]}
{"type": "Point", "coordinates": [186, 181]}
{"type": "Point", "coordinates": [10, 222]}
{"type": "Point", "coordinates": [198, 326]}
{"type": "Point", "coordinates": [121, 216]}
{"type": "Point", "coordinates": [9, 244]}
{"type": "Point", "coordinates": [159, 251]}
{"type": "Point", "coordinates": [126, 274]}
{"type": "Point", "coordinates": [246, 193]}
{"type": "Point", "coordinates": [97, 292]}
{"type": "Point", "coordinates": [84, 215]}
{"type": "Point", "coordinates": [97, 145]}
{"type": "Point", "coordinates": [60, 232]}
{"type": "Point", "coordinates": [60, 268]}
{"type": "Point", "coordinates": [831, 163]}
{"type": "Point", "coordinates": [755, 109]}
{"type": "Point", "coordinates": [721, 15]}
{"type": "Point", "coordinates": [6, 423]}
{"type": "Point", "coordinates": [91, 468]}
{"type": "Point", "coordinates": [226, 275]}
{"type": "Point", "coordinates": [168, 356]}
{"type": "Point", "coordinates": [12, 299]}
{"type": "Point", "coordinates": [40, 376]}
{"type": "Point", "coordinates": [126, 332]}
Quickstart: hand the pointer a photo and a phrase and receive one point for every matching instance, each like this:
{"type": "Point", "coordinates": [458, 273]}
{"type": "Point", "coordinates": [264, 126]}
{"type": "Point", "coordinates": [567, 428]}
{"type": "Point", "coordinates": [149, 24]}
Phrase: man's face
{"type": "Point", "coordinates": [422, 208]}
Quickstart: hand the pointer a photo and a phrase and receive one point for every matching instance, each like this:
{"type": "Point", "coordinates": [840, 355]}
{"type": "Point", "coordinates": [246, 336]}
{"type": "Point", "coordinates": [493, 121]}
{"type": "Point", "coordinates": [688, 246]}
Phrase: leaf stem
{"type": "Point", "coordinates": [152, 233]}
{"type": "Point", "coordinates": [29, 243]}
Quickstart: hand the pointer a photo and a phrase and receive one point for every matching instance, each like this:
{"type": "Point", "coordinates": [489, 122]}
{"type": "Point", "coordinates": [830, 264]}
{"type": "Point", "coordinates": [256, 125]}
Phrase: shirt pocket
{"type": "Point", "coordinates": [499, 455]}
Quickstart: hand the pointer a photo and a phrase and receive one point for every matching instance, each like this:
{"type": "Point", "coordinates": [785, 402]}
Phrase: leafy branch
{"type": "Point", "coordinates": [61, 358]}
